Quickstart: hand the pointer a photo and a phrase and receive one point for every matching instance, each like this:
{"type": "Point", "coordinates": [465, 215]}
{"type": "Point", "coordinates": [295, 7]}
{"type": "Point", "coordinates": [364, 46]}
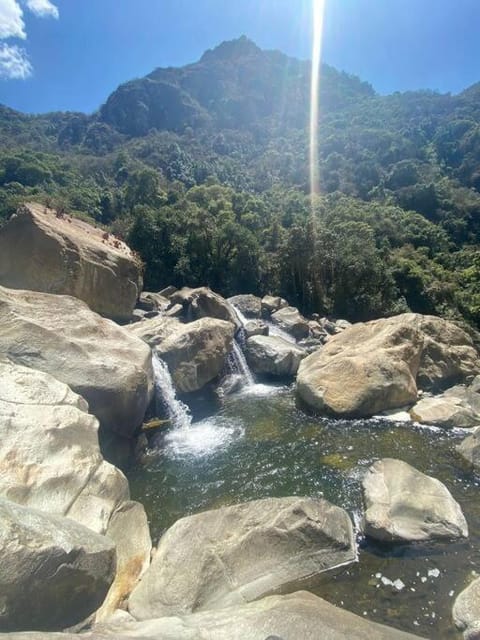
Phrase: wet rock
{"type": "Point", "coordinates": [270, 304]}
{"type": "Point", "coordinates": [403, 504]}
{"type": "Point", "coordinates": [241, 553]}
{"type": "Point", "coordinates": [291, 320]}
{"type": "Point", "coordinates": [466, 611]}
{"type": "Point", "coordinates": [44, 252]}
{"type": "Point", "coordinates": [95, 357]}
{"type": "Point", "coordinates": [274, 356]}
{"type": "Point", "coordinates": [248, 304]}
{"type": "Point", "coordinates": [55, 572]}
{"type": "Point", "coordinates": [469, 449]}
{"type": "Point", "coordinates": [196, 352]}
{"type": "Point", "coordinates": [175, 311]}
{"type": "Point", "coordinates": [49, 453]}
{"type": "Point", "coordinates": [168, 291]}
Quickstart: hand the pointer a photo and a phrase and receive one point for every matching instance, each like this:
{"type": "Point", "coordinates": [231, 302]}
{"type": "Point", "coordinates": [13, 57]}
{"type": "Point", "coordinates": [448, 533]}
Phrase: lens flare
{"type": "Point", "coordinates": [318, 11]}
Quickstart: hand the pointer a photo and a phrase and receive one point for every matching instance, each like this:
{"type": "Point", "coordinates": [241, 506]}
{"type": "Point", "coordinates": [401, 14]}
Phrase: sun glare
{"type": "Point", "coordinates": [318, 11]}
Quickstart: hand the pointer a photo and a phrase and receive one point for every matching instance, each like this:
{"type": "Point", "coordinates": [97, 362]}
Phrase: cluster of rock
{"type": "Point", "coordinates": [77, 551]}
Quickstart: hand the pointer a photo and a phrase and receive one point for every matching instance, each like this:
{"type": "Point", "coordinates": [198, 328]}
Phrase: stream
{"type": "Point", "coordinates": [258, 443]}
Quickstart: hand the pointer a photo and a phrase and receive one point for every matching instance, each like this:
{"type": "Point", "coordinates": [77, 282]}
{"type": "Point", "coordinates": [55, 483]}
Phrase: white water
{"type": "Point", "coordinates": [177, 411]}
{"type": "Point", "coordinates": [276, 331]}
{"type": "Point", "coordinates": [239, 365]}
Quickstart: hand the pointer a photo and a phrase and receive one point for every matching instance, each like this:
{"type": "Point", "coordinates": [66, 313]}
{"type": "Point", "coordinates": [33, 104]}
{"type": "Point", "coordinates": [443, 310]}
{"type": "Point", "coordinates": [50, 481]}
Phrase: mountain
{"type": "Point", "coordinates": [204, 169]}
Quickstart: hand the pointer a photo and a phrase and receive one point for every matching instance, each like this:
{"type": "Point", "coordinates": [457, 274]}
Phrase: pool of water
{"type": "Point", "coordinates": [259, 444]}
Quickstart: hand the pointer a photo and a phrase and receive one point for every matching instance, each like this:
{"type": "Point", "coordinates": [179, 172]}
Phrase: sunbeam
{"type": "Point", "coordinates": [318, 12]}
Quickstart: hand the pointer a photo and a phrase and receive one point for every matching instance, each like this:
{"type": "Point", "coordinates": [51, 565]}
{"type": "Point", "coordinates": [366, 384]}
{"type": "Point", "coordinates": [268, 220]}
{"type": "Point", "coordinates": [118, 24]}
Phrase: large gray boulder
{"type": "Point", "coordinates": [375, 366]}
{"type": "Point", "coordinates": [52, 253]}
{"type": "Point", "coordinates": [196, 352]}
{"type": "Point", "coordinates": [466, 611]}
{"type": "Point", "coordinates": [154, 330]}
{"type": "Point", "coordinates": [469, 449]}
{"type": "Point", "coordinates": [249, 305]}
{"type": "Point", "coordinates": [403, 504]}
{"type": "Point", "coordinates": [290, 319]}
{"type": "Point", "coordinates": [241, 553]}
{"type": "Point", "coordinates": [270, 304]}
{"type": "Point", "coordinates": [299, 615]}
{"type": "Point", "coordinates": [49, 453]}
{"type": "Point", "coordinates": [204, 303]}
{"type": "Point", "coordinates": [95, 357]}
{"type": "Point", "coordinates": [274, 356]}
{"type": "Point", "coordinates": [54, 572]}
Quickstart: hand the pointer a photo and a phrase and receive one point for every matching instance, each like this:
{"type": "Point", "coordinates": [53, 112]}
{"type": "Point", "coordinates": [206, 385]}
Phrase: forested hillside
{"type": "Point", "coordinates": [204, 171]}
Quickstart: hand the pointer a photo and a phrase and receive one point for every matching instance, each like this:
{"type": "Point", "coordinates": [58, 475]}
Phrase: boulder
{"type": "Point", "coordinates": [55, 572]}
{"type": "Point", "coordinates": [249, 305]}
{"type": "Point", "coordinates": [373, 367]}
{"type": "Point", "coordinates": [270, 304]}
{"type": "Point", "coordinates": [256, 328]}
{"type": "Point", "coordinates": [49, 453]}
{"type": "Point", "coordinates": [96, 358]}
{"type": "Point", "coordinates": [299, 615]}
{"type": "Point", "coordinates": [196, 352]}
{"type": "Point", "coordinates": [453, 408]}
{"type": "Point", "coordinates": [154, 330]}
{"type": "Point", "coordinates": [204, 303]}
{"type": "Point", "coordinates": [149, 301]}
{"type": "Point", "coordinates": [273, 356]}
{"type": "Point", "coordinates": [469, 449]}
{"type": "Point", "coordinates": [42, 251]}
{"type": "Point", "coordinates": [128, 529]}
{"type": "Point", "coordinates": [291, 320]}
{"type": "Point", "coordinates": [241, 553]}
{"type": "Point", "coordinates": [466, 610]}
{"type": "Point", "coordinates": [167, 291]}
{"type": "Point", "coordinates": [403, 504]}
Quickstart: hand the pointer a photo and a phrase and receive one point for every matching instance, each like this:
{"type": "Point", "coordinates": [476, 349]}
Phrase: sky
{"type": "Point", "coordinates": [71, 54]}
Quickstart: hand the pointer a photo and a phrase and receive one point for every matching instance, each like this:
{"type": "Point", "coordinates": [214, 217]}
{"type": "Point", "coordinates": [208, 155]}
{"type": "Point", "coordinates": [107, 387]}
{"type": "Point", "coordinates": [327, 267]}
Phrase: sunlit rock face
{"type": "Point", "coordinates": [56, 253]}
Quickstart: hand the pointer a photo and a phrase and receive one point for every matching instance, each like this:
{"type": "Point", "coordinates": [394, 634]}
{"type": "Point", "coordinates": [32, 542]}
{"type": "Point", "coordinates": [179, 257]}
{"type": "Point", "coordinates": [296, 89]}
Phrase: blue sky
{"type": "Point", "coordinates": [73, 53]}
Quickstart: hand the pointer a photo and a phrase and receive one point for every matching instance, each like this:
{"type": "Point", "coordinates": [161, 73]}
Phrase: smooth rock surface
{"type": "Point", "coordinates": [374, 367]}
{"type": "Point", "coordinates": [128, 529]}
{"type": "Point", "coordinates": [248, 304]}
{"type": "Point", "coordinates": [95, 357]}
{"type": "Point", "coordinates": [204, 303]}
{"type": "Point", "coordinates": [60, 254]}
{"type": "Point", "coordinates": [452, 408]}
{"type": "Point", "coordinates": [300, 615]}
{"type": "Point", "coordinates": [241, 553]}
{"type": "Point", "coordinates": [291, 320]}
{"type": "Point", "coordinates": [466, 610]}
{"type": "Point", "coordinates": [49, 453]}
{"type": "Point", "coordinates": [150, 301]}
{"type": "Point", "coordinates": [256, 328]}
{"type": "Point", "coordinates": [469, 449]}
{"type": "Point", "coordinates": [154, 330]}
{"type": "Point", "coordinates": [196, 352]}
{"type": "Point", "coordinates": [274, 356]}
{"type": "Point", "coordinates": [403, 504]}
{"type": "Point", "coordinates": [54, 572]}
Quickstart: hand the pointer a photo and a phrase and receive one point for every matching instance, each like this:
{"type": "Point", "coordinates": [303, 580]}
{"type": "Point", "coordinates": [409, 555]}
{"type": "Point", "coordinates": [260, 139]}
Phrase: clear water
{"type": "Point", "coordinates": [259, 444]}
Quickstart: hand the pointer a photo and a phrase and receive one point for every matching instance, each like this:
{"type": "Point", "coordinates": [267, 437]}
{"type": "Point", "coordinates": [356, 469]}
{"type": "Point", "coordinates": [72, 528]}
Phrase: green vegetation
{"type": "Point", "coordinates": [204, 171]}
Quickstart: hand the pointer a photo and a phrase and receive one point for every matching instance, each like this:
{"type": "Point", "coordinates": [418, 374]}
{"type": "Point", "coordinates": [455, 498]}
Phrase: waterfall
{"type": "Point", "coordinates": [177, 411]}
{"type": "Point", "coordinates": [275, 331]}
{"type": "Point", "coordinates": [238, 365]}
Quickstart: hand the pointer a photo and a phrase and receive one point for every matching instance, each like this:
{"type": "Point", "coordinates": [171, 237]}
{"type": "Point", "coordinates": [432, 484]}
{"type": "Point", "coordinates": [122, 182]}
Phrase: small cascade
{"type": "Point", "coordinates": [238, 365]}
{"type": "Point", "coordinates": [176, 410]}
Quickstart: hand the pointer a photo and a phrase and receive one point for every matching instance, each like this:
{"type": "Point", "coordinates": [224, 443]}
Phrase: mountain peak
{"type": "Point", "coordinates": [231, 49]}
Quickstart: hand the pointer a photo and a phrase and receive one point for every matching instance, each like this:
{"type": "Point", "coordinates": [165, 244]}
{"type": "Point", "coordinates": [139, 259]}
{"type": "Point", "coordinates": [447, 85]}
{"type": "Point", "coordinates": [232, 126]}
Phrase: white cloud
{"type": "Point", "coordinates": [14, 63]}
{"type": "Point", "coordinates": [11, 20]}
{"type": "Point", "coordinates": [42, 8]}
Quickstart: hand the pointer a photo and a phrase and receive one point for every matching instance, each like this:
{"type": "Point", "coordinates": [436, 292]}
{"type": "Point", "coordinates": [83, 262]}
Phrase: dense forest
{"type": "Point", "coordinates": [204, 171]}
